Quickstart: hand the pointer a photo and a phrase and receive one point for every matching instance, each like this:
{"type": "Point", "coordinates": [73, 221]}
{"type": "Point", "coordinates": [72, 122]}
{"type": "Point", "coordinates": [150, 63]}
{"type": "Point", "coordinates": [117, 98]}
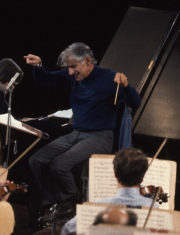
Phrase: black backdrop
{"type": "Point", "coordinates": [45, 28]}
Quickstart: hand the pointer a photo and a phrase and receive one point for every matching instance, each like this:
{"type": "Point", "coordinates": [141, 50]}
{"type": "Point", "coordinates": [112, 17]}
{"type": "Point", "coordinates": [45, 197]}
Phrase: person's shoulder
{"type": "Point", "coordinates": [5, 204]}
{"type": "Point", "coordinates": [6, 208]}
{"type": "Point", "coordinates": [104, 72]}
{"type": "Point", "coordinates": [146, 201]}
{"type": "Point", "coordinates": [104, 69]}
{"type": "Point", "coordinates": [105, 200]}
{"type": "Point", "coordinates": [7, 218]}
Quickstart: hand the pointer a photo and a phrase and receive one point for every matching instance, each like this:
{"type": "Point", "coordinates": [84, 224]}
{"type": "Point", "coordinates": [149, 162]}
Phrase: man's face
{"type": "Point", "coordinates": [79, 69]}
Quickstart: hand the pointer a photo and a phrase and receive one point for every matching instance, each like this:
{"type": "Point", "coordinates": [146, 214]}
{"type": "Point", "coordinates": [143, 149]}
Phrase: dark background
{"type": "Point", "coordinates": [45, 28]}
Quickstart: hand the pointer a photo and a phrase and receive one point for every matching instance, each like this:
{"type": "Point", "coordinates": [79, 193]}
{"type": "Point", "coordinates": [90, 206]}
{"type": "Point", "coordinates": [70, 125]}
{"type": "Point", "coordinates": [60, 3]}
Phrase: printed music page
{"type": "Point", "coordinates": [107, 229]}
{"type": "Point", "coordinates": [85, 215]}
{"type": "Point", "coordinates": [163, 173]}
{"type": "Point", "coordinates": [102, 182]}
{"type": "Point", "coordinates": [18, 125]}
{"type": "Point", "coordinates": [159, 218]}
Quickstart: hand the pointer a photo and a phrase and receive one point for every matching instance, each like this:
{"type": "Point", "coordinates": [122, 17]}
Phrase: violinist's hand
{"type": "Point", "coordinates": [121, 79]}
{"type": "Point", "coordinates": [33, 60]}
{"type": "Point", "coordinates": [4, 182]}
{"type": "Point", "coordinates": [6, 196]}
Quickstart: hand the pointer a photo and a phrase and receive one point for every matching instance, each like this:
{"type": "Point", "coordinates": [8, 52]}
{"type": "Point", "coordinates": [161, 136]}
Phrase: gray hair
{"type": "Point", "coordinates": [78, 50]}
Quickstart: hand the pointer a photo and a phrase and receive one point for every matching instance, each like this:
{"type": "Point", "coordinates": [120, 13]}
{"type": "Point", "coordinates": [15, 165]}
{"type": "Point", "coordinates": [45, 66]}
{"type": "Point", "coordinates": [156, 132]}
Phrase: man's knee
{"type": "Point", "coordinates": [57, 168]}
{"type": "Point", "coordinates": [34, 160]}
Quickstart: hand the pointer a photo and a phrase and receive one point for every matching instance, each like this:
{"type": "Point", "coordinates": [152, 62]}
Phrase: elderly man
{"type": "Point", "coordinates": [91, 91]}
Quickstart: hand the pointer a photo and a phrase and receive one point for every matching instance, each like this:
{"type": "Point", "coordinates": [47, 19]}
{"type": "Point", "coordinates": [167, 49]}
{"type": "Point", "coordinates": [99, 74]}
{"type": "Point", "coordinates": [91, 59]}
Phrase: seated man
{"type": "Point", "coordinates": [91, 91]}
{"type": "Point", "coordinates": [114, 215]}
{"type": "Point", "coordinates": [130, 165]}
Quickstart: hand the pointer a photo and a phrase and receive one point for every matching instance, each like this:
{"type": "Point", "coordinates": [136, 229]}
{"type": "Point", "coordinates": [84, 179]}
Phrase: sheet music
{"type": "Point", "coordinates": [159, 219]}
{"type": "Point", "coordinates": [17, 124]}
{"type": "Point", "coordinates": [85, 215]}
{"type": "Point", "coordinates": [62, 114]}
{"type": "Point", "coordinates": [102, 182]}
{"type": "Point", "coordinates": [105, 229]}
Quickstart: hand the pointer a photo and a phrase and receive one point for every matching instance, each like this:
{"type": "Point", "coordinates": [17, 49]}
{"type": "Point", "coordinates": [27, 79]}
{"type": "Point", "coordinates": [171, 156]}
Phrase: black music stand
{"type": "Point", "coordinates": [8, 130]}
{"type": "Point", "coordinates": [10, 74]}
{"type": "Point", "coordinates": [19, 127]}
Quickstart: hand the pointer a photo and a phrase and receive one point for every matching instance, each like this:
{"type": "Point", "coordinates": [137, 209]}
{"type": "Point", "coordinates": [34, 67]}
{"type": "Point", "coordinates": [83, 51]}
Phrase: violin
{"type": "Point", "coordinates": [9, 187]}
{"type": "Point", "coordinates": [150, 191]}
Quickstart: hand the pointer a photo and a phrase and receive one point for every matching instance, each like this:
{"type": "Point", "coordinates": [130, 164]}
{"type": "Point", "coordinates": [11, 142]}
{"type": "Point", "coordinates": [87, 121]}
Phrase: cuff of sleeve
{"type": "Point", "coordinates": [38, 65]}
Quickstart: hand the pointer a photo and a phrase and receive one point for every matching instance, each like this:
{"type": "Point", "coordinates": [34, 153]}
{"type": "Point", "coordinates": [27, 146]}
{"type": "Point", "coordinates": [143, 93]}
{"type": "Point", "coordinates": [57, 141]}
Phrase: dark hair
{"type": "Point", "coordinates": [98, 219]}
{"type": "Point", "coordinates": [130, 165]}
{"type": "Point", "coordinates": [132, 218]}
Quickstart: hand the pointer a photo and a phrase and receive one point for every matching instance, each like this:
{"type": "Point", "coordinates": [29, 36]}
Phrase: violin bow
{"type": "Point", "coordinates": [151, 207]}
{"type": "Point", "coordinates": [158, 151]}
{"type": "Point", "coordinates": [21, 155]}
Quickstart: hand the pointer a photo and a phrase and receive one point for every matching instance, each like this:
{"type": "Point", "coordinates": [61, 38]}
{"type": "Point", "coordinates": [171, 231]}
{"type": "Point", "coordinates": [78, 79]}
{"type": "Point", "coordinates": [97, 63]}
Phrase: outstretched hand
{"type": "Point", "coordinates": [121, 79]}
{"type": "Point", "coordinates": [33, 60]}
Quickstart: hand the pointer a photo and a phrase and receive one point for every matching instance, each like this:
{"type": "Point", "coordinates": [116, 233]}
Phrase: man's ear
{"type": "Point", "coordinates": [88, 60]}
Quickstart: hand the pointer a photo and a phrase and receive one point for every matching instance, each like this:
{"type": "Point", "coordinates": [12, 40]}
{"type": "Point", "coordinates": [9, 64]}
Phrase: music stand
{"type": "Point", "coordinates": [10, 74]}
{"type": "Point", "coordinates": [18, 126]}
